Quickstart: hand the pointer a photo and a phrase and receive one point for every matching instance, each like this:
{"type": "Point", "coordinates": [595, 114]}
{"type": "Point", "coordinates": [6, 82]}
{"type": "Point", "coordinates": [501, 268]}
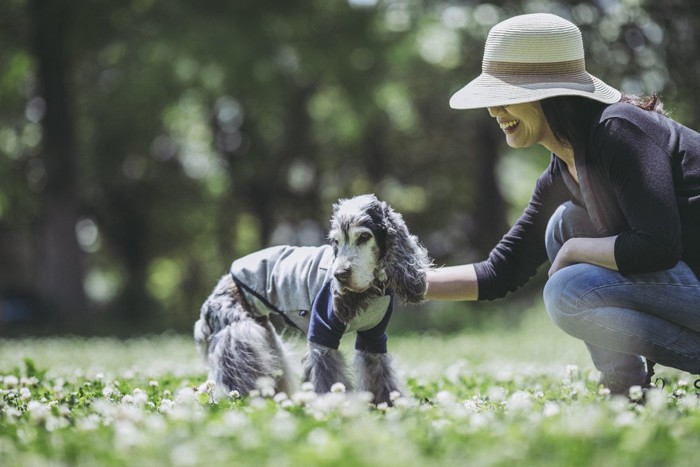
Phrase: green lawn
{"type": "Point", "coordinates": [525, 397]}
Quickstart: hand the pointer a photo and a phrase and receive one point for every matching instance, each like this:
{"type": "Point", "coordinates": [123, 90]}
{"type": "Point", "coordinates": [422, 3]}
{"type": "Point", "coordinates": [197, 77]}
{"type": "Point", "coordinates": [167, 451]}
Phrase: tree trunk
{"type": "Point", "coordinates": [60, 257]}
{"type": "Point", "coordinates": [489, 221]}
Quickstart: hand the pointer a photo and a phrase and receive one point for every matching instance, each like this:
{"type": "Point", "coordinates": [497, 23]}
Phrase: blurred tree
{"type": "Point", "coordinates": [154, 141]}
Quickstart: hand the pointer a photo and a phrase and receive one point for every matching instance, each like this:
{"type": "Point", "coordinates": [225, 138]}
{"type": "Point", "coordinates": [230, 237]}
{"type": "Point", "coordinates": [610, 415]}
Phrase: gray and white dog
{"type": "Point", "coordinates": [326, 292]}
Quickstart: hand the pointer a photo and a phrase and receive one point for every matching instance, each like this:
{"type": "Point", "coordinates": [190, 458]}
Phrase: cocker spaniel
{"type": "Point", "coordinates": [325, 292]}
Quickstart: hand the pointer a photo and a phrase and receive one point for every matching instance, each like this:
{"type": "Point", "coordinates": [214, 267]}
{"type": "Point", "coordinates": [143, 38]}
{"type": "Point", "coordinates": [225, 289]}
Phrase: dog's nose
{"type": "Point", "coordinates": [342, 274]}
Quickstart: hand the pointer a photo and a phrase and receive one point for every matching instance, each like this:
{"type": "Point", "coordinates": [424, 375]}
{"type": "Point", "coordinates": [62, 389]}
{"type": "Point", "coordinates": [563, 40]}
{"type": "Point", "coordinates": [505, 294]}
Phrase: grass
{"type": "Point", "coordinates": [525, 396]}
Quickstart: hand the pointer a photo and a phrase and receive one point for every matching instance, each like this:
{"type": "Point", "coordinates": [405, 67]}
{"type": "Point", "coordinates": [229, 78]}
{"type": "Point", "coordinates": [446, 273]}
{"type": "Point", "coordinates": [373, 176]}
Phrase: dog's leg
{"type": "Point", "coordinates": [239, 355]}
{"type": "Point", "coordinates": [284, 380]}
{"type": "Point", "coordinates": [324, 367]}
{"type": "Point", "coordinates": [376, 374]}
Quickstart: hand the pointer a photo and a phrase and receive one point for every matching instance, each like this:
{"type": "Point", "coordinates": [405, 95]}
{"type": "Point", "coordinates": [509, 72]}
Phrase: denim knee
{"type": "Point", "coordinates": [562, 295]}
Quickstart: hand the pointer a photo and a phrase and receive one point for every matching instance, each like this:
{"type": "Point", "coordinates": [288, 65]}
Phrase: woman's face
{"type": "Point", "coordinates": [523, 124]}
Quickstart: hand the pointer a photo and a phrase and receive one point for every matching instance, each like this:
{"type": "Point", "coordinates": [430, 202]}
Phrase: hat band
{"type": "Point", "coordinates": [546, 68]}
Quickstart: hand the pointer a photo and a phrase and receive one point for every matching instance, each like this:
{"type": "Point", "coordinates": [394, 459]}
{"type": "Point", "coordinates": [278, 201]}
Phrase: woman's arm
{"type": "Point", "coordinates": [452, 283]}
{"type": "Point", "coordinates": [598, 251]}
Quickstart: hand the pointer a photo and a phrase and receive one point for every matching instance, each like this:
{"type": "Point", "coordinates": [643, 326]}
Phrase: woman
{"type": "Point", "coordinates": [617, 212]}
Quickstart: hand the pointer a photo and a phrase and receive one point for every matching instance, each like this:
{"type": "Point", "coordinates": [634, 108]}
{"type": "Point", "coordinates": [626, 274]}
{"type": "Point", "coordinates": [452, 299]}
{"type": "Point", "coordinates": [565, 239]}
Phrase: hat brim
{"type": "Point", "coordinates": [489, 90]}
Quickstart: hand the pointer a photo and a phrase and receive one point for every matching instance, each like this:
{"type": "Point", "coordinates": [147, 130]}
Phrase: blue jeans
{"type": "Point", "coordinates": [622, 318]}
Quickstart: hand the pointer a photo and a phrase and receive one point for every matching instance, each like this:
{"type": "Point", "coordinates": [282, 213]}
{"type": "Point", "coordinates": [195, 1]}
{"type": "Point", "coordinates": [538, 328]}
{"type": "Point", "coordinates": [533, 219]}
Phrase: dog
{"type": "Point", "coordinates": [325, 292]}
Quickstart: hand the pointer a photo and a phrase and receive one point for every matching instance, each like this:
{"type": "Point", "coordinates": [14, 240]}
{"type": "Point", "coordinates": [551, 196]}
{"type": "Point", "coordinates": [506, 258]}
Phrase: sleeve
{"type": "Point", "coordinates": [325, 328]}
{"type": "Point", "coordinates": [374, 340]}
{"type": "Point", "coordinates": [515, 259]}
{"type": "Point", "coordinates": [642, 177]}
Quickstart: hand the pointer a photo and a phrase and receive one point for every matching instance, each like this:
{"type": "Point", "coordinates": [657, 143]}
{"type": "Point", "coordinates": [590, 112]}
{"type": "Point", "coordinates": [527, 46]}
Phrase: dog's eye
{"type": "Point", "coordinates": [364, 237]}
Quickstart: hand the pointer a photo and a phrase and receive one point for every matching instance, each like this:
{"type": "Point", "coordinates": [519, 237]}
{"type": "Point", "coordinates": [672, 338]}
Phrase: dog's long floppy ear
{"type": "Point", "coordinates": [406, 260]}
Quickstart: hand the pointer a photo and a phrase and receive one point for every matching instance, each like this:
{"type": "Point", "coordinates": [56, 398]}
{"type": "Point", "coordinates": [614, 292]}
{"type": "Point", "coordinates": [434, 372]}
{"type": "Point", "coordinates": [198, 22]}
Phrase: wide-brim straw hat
{"type": "Point", "coordinates": [528, 58]}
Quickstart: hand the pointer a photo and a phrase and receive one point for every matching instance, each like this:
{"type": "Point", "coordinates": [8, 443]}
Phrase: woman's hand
{"type": "Point", "coordinates": [597, 251]}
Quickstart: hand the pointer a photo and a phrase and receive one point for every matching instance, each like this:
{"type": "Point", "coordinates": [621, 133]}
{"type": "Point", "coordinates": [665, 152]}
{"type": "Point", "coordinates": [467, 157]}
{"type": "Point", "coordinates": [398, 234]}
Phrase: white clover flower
{"type": "Point", "coordinates": [636, 393]}
{"type": "Point", "coordinates": [280, 397]}
{"type": "Point", "coordinates": [404, 402]}
{"type": "Point", "coordinates": [264, 382]}
{"type": "Point", "coordinates": [480, 420]}
{"type": "Point", "coordinates": [303, 397]}
{"type": "Point", "coordinates": [604, 391]}
{"type": "Point", "coordinates": [38, 412]}
{"type": "Point", "coordinates": [338, 388]}
{"type": "Point", "coordinates": [25, 394]}
{"type": "Point", "coordinates": [383, 406]}
{"type": "Point", "coordinates": [496, 393]}
{"type": "Point", "coordinates": [140, 398]}
{"type": "Point", "coordinates": [108, 391]}
{"type": "Point", "coordinates": [440, 424]}
{"type": "Point", "coordinates": [318, 437]}
{"type": "Point", "coordinates": [519, 401]}
{"type": "Point", "coordinates": [126, 435]}
{"type": "Point", "coordinates": [129, 413]}
{"type": "Point", "coordinates": [472, 405]}
{"type": "Point", "coordinates": [89, 423]}
{"type": "Point", "coordinates": [31, 381]}
{"type": "Point", "coordinates": [655, 399]}
{"type": "Point", "coordinates": [688, 403]}
{"type": "Point", "coordinates": [55, 423]}
{"type": "Point", "coordinates": [445, 398]}
{"type": "Point", "coordinates": [578, 387]}
{"type": "Point", "coordinates": [165, 406]}
{"type": "Point", "coordinates": [364, 396]}
{"type": "Point", "coordinates": [330, 402]}
{"type": "Point", "coordinates": [234, 394]}
{"type": "Point", "coordinates": [550, 409]}
{"type": "Point", "coordinates": [12, 414]}
{"type": "Point", "coordinates": [394, 395]}
{"type": "Point", "coordinates": [625, 419]}
{"type": "Point", "coordinates": [287, 403]}
{"type": "Point", "coordinates": [153, 383]}
{"type": "Point", "coordinates": [128, 399]}
{"type": "Point", "coordinates": [682, 383]}
{"type": "Point", "coordinates": [185, 396]}
{"type": "Point", "coordinates": [235, 420]}
{"type": "Point", "coordinates": [572, 371]}
{"type": "Point", "coordinates": [307, 386]}
{"type": "Point", "coordinates": [11, 381]}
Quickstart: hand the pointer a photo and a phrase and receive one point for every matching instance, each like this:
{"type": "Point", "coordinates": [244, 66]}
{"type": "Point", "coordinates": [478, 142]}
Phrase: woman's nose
{"type": "Point", "coordinates": [495, 111]}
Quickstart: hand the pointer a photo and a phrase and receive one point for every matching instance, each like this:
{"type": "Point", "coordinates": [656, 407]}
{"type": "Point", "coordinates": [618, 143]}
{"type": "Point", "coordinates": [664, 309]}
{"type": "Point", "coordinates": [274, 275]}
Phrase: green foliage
{"type": "Point", "coordinates": [204, 130]}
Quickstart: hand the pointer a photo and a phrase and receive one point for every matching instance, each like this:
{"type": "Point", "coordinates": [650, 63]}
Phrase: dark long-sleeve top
{"type": "Point", "coordinates": [639, 179]}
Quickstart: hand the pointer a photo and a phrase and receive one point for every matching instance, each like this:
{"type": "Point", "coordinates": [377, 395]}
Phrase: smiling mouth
{"type": "Point", "coordinates": [509, 126]}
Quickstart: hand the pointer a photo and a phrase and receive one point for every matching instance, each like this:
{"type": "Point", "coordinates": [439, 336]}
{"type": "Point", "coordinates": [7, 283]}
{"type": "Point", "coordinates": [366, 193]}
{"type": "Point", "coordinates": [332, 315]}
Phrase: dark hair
{"type": "Point", "coordinates": [570, 116]}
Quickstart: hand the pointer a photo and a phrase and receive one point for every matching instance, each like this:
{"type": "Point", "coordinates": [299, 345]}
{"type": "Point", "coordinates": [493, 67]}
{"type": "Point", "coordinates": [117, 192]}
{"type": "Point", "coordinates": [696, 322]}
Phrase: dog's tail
{"type": "Point", "coordinates": [242, 353]}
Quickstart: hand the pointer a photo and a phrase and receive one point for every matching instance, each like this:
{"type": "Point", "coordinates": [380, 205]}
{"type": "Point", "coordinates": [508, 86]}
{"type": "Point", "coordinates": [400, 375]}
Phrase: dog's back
{"type": "Point", "coordinates": [287, 278]}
